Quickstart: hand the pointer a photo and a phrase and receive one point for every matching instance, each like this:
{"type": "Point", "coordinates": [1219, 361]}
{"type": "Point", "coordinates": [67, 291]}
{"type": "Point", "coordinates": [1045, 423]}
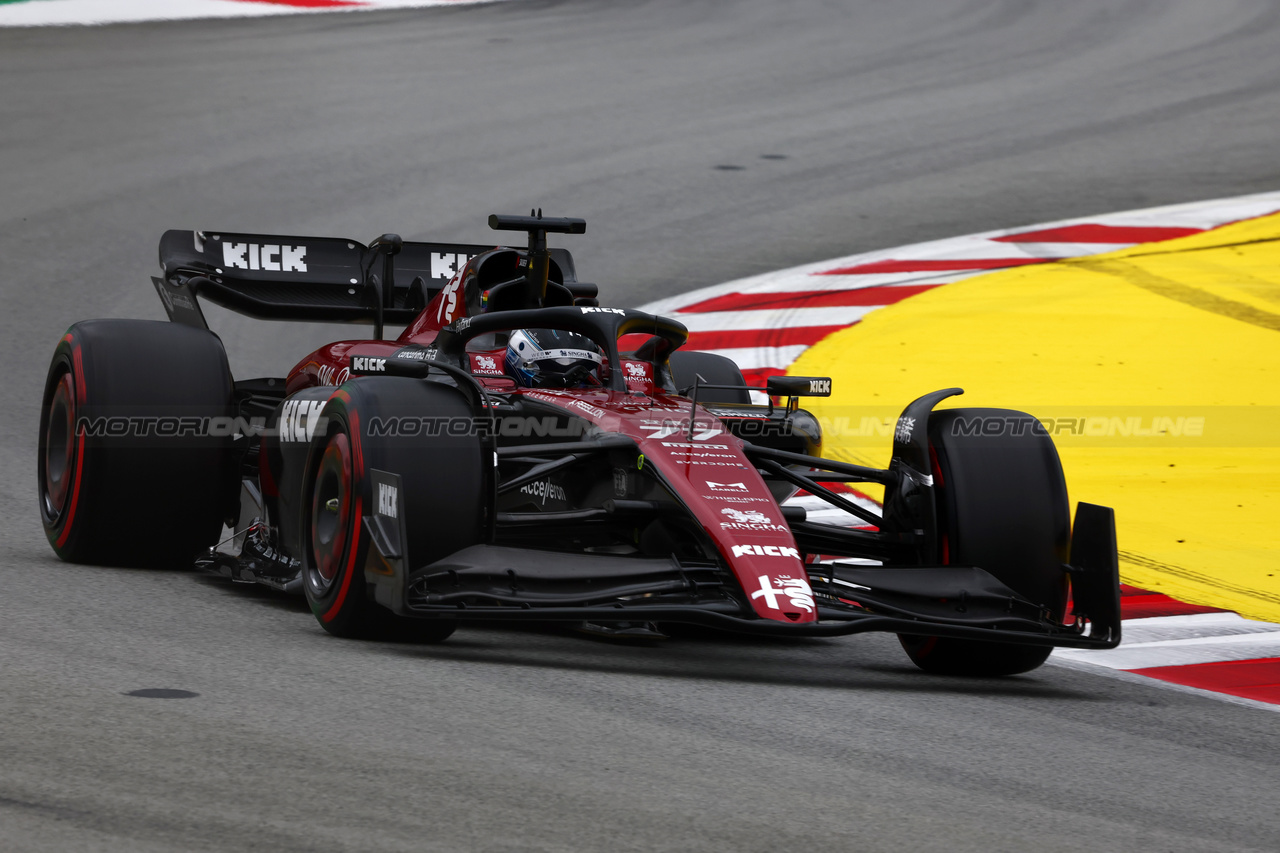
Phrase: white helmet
{"type": "Point", "coordinates": [551, 358]}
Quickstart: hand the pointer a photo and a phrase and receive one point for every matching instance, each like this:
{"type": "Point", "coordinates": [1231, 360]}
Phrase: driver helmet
{"type": "Point", "coordinates": [553, 358]}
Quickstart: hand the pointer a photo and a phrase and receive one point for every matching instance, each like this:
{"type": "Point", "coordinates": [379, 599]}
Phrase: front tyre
{"type": "Point", "coordinates": [441, 469]}
{"type": "Point", "coordinates": [1002, 506]}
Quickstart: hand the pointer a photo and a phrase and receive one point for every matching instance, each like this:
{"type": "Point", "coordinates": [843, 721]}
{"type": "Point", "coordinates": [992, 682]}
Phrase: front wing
{"type": "Point", "coordinates": [487, 582]}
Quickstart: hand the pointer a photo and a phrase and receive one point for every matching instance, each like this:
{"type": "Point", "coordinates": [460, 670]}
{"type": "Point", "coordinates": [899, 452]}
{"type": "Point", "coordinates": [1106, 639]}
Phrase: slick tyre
{"type": "Point", "coordinates": [443, 477]}
{"type": "Point", "coordinates": [714, 370]}
{"type": "Point", "coordinates": [1002, 506]}
{"type": "Point", "coordinates": [130, 471]}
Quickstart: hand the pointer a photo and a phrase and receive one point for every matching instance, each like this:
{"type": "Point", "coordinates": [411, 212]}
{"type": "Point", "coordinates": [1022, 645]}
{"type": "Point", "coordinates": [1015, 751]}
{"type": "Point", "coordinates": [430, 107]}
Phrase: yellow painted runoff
{"type": "Point", "coordinates": [1156, 368]}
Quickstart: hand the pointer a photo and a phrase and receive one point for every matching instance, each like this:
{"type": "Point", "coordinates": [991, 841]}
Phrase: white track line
{"type": "Point", "coordinates": [1134, 678]}
{"type": "Point", "coordinates": [36, 13]}
{"type": "Point", "coordinates": [775, 318]}
{"type": "Point", "coordinates": [1156, 629]}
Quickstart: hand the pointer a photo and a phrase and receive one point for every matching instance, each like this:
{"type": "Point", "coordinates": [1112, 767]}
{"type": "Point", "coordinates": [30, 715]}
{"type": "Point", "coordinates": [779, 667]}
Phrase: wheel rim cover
{"type": "Point", "coordinates": [59, 446]}
{"type": "Point", "coordinates": [331, 511]}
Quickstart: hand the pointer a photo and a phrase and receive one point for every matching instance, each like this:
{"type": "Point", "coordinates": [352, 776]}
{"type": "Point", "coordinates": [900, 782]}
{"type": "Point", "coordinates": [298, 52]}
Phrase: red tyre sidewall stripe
{"type": "Point", "coordinates": [79, 374]}
{"type": "Point", "coordinates": [357, 515]}
{"type": "Point", "coordinates": [75, 495]}
{"type": "Point", "coordinates": [357, 460]}
{"type": "Point", "coordinates": [78, 378]}
{"type": "Point", "coordinates": [332, 612]}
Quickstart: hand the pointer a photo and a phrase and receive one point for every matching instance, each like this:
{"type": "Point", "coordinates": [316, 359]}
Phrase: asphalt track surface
{"type": "Point", "coordinates": [898, 122]}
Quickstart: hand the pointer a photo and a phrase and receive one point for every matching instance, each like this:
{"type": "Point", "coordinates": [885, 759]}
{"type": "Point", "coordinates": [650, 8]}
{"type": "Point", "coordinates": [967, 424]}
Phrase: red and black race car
{"type": "Point", "coordinates": [520, 452]}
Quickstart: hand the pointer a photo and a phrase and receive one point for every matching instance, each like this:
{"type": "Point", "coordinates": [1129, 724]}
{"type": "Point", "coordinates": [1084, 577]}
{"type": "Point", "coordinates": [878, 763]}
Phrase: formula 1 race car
{"type": "Point", "coordinates": [520, 452]}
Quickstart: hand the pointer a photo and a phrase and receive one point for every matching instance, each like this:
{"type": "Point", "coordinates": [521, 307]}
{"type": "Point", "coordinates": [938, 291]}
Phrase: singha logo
{"type": "Point", "coordinates": [750, 516]}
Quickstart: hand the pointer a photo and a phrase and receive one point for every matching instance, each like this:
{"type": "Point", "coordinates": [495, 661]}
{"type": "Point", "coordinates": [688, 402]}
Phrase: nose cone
{"type": "Point", "coordinates": [727, 496]}
{"type": "Point", "coordinates": [775, 590]}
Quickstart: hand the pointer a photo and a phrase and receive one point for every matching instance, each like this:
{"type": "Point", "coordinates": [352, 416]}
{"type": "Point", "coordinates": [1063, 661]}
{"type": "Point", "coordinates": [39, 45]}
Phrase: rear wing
{"type": "Point", "coordinates": [316, 279]}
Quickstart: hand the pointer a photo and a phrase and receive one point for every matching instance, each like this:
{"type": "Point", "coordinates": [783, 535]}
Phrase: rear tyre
{"type": "Point", "coordinates": [128, 472]}
{"type": "Point", "coordinates": [714, 370]}
{"type": "Point", "coordinates": [442, 477]}
{"type": "Point", "coordinates": [1002, 506]}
